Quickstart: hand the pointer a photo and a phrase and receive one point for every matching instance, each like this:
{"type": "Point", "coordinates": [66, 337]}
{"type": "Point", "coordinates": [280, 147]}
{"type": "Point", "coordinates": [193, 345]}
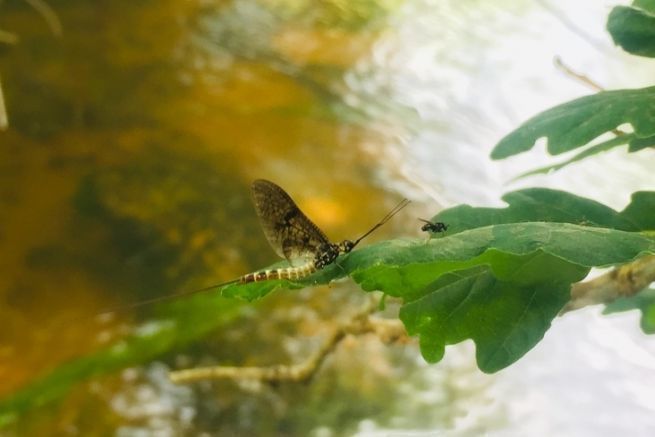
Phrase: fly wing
{"type": "Point", "coordinates": [291, 234]}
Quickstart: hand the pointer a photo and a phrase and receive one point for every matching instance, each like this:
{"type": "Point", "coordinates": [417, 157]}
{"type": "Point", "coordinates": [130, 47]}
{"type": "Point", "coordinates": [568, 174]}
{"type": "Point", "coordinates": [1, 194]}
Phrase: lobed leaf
{"type": "Point", "coordinates": [543, 204]}
{"type": "Point", "coordinates": [522, 277]}
{"type": "Point", "coordinates": [638, 144]}
{"type": "Point", "coordinates": [633, 29]}
{"type": "Point", "coordinates": [646, 5]}
{"type": "Point", "coordinates": [578, 122]}
{"type": "Point", "coordinates": [504, 318]}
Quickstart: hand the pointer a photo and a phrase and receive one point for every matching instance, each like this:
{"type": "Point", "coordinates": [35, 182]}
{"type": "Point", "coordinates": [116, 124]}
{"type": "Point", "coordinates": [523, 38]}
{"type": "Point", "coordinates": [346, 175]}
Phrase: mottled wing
{"type": "Point", "coordinates": [291, 234]}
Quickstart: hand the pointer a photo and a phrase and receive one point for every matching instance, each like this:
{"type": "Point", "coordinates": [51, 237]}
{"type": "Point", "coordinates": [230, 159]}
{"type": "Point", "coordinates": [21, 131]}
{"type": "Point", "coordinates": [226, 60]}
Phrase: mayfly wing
{"type": "Point", "coordinates": [291, 234]}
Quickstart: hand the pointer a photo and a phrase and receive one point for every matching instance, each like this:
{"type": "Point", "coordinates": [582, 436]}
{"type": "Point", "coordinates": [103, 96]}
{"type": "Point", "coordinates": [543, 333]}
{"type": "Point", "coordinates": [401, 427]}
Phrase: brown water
{"type": "Point", "coordinates": [125, 175]}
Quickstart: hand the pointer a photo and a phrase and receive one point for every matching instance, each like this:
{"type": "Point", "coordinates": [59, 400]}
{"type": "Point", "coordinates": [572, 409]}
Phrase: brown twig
{"type": "Point", "coordinates": [277, 373]}
{"type": "Point", "coordinates": [389, 331]}
{"type": "Point", "coordinates": [578, 76]}
{"type": "Point", "coordinates": [626, 280]}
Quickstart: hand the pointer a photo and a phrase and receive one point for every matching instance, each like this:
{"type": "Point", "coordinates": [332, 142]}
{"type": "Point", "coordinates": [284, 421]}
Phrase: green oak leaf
{"type": "Point", "coordinates": [580, 121]}
{"type": "Point", "coordinates": [641, 143]}
{"type": "Point", "coordinates": [543, 204]}
{"type": "Point", "coordinates": [646, 5]}
{"type": "Point", "coordinates": [633, 29]}
{"type": "Point", "coordinates": [504, 318]}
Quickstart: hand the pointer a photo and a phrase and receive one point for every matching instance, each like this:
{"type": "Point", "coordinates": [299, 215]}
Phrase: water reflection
{"type": "Point", "coordinates": [125, 175]}
{"type": "Point", "coordinates": [127, 170]}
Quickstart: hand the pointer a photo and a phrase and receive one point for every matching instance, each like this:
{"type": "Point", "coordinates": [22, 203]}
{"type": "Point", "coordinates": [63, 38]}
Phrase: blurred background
{"type": "Point", "coordinates": [135, 130]}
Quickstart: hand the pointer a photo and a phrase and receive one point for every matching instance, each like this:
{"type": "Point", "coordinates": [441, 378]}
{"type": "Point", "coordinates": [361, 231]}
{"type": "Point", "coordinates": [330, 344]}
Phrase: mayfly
{"type": "Point", "coordinates": [292, 235]}
{"type": "Point", "coordinates": [295, 237]}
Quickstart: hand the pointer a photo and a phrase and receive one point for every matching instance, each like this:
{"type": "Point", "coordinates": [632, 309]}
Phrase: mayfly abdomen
{"type": "Point", "coordinates": [282, 273]}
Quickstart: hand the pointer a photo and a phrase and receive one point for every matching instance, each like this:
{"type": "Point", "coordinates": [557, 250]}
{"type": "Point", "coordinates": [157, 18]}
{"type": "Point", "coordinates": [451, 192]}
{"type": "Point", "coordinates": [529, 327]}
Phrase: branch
{"type": "Point", "coordinates": [577, 76]}
{"type": "Point", "coordinates": [626, 280]}
{"type": "Point", "coordinates": [388, 331]}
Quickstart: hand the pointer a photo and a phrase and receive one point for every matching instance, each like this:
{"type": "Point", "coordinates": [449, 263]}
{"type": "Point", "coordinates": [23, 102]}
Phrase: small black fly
{"type": "Point", "coordinates": [434, 227]}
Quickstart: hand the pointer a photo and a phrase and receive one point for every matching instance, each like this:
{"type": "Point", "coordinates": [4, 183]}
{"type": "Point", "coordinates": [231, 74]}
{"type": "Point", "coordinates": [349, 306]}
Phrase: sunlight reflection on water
{"type": "Point", "coordinates": [473, 72]}
{"type": "Point", "coordinates": [471, 90]}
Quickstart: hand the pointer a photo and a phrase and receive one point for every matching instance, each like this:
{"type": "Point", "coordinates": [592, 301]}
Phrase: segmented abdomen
{"type": "Point", "coordinates": [282, 273]}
